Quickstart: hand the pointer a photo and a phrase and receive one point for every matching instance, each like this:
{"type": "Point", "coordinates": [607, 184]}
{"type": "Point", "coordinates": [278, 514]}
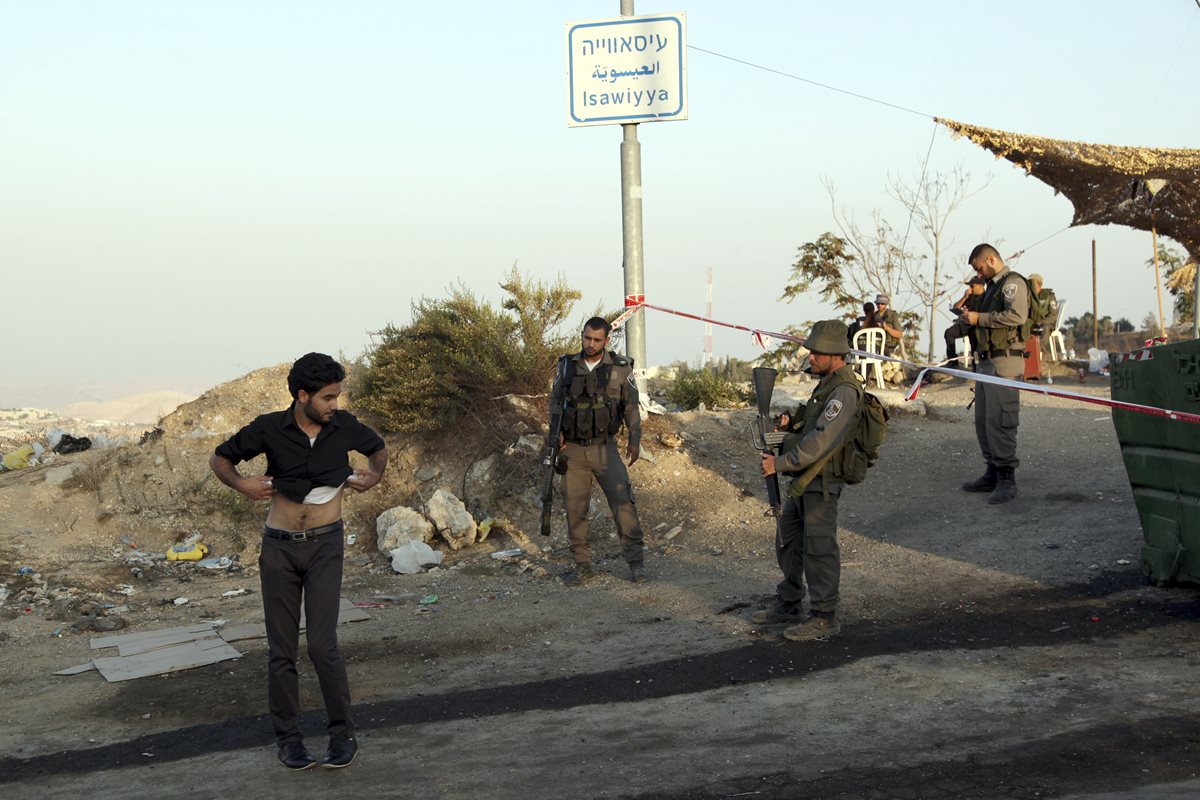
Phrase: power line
{"type": "Point", "coordinates": [814, 83]}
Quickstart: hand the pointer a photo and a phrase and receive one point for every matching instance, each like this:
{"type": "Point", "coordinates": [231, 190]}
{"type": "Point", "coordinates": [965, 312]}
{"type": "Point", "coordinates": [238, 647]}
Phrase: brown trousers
{"type": "Point", "coordinates": [599, 459]}
{"type": "Point", "coordinates": [313, 570]}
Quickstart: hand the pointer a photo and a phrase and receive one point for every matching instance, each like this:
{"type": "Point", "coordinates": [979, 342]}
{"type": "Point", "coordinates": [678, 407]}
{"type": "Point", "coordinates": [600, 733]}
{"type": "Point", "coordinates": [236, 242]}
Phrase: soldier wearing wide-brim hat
{"type": "Point", "coordinates": [806, 540]}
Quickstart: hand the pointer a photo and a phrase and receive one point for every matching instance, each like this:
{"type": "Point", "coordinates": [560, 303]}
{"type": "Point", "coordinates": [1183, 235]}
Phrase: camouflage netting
{"type": "Point", "coordinates": [1135, 186]}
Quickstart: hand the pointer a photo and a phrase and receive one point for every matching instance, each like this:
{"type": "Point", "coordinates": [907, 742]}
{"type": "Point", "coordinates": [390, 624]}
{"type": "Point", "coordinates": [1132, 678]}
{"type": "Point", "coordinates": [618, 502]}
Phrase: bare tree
{"type": "Point", "coordinates": [930, 202]}
{"type": "Point", "coordinates": [880, 260]}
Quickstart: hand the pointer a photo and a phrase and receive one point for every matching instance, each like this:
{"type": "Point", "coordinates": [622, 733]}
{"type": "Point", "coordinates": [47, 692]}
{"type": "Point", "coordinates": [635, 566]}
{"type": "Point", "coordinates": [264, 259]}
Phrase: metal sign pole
{"type": "Point", "coordinates": [631, 234]}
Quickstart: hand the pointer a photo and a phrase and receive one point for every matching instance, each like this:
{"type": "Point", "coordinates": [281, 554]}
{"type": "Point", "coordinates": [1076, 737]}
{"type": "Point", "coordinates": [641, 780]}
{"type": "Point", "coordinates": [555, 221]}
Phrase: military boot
{"type": "Point", "coordinates": [780, 613]}
{"type": "Point", "coordinates": [819, 625]}
{"type": "Point", "coordinates": [582, 574]}
{"type": "Point", "coordinates": [1006, 486]}
{"type": "Point", "coordinates": [985, 482]}
{"type": "Point", "coordinates": [637, 572]}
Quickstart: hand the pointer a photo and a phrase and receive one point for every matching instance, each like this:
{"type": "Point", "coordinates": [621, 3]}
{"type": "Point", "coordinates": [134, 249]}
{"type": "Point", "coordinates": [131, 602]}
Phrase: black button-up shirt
{"type": "Point", "coordinates": [295, 466]}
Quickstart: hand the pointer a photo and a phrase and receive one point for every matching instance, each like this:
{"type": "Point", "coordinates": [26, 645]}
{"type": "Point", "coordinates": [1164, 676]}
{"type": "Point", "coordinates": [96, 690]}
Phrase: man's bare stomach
{"type": "Point", "coordinates": [287, 515]}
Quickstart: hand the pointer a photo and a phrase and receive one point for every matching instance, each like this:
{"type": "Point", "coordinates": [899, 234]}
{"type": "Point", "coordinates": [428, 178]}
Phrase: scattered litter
{"type": "Point", "coordinates": [428, 600]}
{"type": "Point", "coordinates": [58, 632]}
{"type": "Point", "coordinates": [25, 571]}
{"type": "Point", "coordinates": [179, 601]}
{"type": "Point", "coordinates": [395, 597]}
{"type": "Point", "coordinates": [484, 529]}
{"type": "Point", "coordinates": [235, 592]}
{"type": "Point", "coordinates": [671, 534]}
{"type": "Point", "coordinates": [352, 539]}
{"type": "Point", "coordinates": [125, 589]}
{"type": "Point", "coordinates": [1123, 562]}
{"type": "Point", "coordinates": [499, 554]}
{"type": "Point", "coordinates": [1060, 629]}
{"type": "Point", "coordinates": [71, 444]}
{"type": "Point", "coordinates": [24, 456]}
{"type": "Point", "coordinates": [224, 562]}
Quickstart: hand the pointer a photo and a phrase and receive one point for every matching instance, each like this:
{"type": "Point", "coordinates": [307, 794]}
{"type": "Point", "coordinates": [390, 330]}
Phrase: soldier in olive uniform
{"type": "Point", "coordinates": [999, 330]}
{"type": "Point", "coordinates": [806, 540]}
{"type": "Point", "coordinates": [593, 392]}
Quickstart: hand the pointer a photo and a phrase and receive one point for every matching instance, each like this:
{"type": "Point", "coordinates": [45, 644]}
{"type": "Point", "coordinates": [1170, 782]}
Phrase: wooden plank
{"type": "Point", "coordinates": [167, 640]}
{"type": "Point", "coordinates": [78, 668]}
{"type": "Point", "coordinates": [167, 659]}
{"type": "Point", "coordinates": [248, 630]}
{"type": "Point", "coordinates": [123, 638]}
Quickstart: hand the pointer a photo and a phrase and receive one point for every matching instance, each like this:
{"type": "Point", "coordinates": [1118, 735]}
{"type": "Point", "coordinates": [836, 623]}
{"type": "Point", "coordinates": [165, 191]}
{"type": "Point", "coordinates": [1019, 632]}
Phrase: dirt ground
{"type": "Point", "coordinates": [1009, 651]}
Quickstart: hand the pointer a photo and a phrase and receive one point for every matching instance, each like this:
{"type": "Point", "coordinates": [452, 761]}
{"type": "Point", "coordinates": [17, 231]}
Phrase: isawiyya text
{"type": "Point", "coordinates": [638, 98]}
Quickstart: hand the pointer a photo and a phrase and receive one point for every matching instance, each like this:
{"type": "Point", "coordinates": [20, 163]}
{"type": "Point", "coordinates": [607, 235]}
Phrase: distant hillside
{"type": "Point", "coordinates": [146, 408]}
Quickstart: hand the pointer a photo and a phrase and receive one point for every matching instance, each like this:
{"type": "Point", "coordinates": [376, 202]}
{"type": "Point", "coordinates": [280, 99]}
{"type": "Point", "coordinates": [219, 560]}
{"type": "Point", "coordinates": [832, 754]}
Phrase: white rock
{"type": "Point", "coordinates": [451, 519]}
{"type": "Point", "coordinates": [57, 476]}
{"type": "Point", "coordinates": [401, 525]}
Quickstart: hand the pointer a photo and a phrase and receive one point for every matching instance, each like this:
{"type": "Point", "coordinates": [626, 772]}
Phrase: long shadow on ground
{"type": "Point", "coordinates": [1028, 619]}
{"type": "Point", "coordinates": [1108, 758]}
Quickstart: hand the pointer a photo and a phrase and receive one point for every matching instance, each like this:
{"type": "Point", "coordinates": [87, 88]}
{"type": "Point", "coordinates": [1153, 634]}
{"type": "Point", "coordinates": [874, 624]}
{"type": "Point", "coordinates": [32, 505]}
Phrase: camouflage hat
{"type": "Point", "coordinates": [828, 337]}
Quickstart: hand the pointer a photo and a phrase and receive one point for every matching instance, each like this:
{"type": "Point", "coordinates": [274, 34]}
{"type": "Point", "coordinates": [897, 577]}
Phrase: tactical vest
{"type": "Point", "coordinates": [593, 411]}
{"type": "Point", "coordinates": [812, 412]}
{"type": "Point", "coordinates": [988, 339]}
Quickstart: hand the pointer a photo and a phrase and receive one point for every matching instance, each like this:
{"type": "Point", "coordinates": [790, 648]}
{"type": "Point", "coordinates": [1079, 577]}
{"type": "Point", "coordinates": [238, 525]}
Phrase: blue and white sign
{"type": "Point", "coordinates": [627, 69]}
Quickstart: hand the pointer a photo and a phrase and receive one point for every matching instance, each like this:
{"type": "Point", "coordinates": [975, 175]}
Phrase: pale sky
{"type": "Point", "coordinates": [192, 190]}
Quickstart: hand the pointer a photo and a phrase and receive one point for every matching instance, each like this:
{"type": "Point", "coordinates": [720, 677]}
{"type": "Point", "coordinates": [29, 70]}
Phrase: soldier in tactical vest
{"type": "Point", "coordinates": [998, 332]}
{"type": "Point", "coordinates": [593, 392]}
{"type": "Point", "coordinates": [806, 538]}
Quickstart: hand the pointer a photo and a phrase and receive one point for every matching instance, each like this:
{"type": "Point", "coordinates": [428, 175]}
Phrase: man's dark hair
{"type": "Point", "coordinates": [312, 372]}
{"type": "Point", "coordinates": [599, 324]}
{"type": "Point", "coordinates": [982, 250]}
{"type": "Point", "coordinates": [868, 308]}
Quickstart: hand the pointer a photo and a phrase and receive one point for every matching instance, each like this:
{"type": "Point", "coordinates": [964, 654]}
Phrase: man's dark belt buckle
{"type": "Point", "coordinates": [303, 536]}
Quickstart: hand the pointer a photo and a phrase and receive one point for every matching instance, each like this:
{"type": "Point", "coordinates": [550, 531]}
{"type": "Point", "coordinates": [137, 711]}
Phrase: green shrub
{"type": "Point", "coordinates": [460, 354]}
{"type": "Point", "coordinates": [694, 387]}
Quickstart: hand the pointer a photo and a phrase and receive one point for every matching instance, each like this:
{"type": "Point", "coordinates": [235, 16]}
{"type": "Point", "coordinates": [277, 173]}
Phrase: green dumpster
{"type": "Point", "coordinates": [1162, 456]}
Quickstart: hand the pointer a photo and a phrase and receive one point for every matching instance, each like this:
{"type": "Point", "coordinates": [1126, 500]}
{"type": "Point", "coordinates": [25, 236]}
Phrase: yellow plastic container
{"type": "Point", "coordinates": [193, 551]}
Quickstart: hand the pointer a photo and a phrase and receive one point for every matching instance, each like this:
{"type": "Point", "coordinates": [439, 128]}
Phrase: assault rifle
{"type": "Point", "coordinates": [550, 460]}
{"type": "Point", "coordinates": [762, 431]}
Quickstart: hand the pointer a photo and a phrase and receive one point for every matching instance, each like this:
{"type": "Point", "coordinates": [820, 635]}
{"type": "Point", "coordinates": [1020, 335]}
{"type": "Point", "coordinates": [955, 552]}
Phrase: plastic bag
{"type": "Point", "coordinates": [412, 557]}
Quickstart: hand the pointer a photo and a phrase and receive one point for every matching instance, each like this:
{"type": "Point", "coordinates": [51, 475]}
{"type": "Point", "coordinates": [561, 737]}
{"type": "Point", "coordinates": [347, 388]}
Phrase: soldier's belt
{"type": "Point", "coordinates": [1001, 353]}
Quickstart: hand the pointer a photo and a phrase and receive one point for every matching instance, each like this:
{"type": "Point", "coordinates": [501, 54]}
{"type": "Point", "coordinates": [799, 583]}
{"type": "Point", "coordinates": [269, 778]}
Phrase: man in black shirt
{"type": "Point", "coordinates": [307, 448]}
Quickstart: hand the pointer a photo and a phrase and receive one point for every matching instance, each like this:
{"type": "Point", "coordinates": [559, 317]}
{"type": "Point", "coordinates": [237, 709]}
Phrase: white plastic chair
{"type": "Point", "coordinates": [1058, 345]}
{"type": "Point", "coordinates": [870, 340]}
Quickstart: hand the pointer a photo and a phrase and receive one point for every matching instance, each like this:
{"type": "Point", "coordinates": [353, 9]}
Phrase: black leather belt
{"type": "Point", "coordinates": [302, 536]}
{"type": "Point", "coordinates": [587, 442]}
{"type": "Point", "coordinates": [1000, 353]}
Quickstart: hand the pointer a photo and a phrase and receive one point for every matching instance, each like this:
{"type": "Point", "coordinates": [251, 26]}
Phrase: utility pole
{"type": "Point", "coordinates": [631, 236]}
{"type": "Point", "coordinates": [1162, 323]}
{"type": "Point", "coordinates": [708, 353]}
{"type": "Point", "coordinates": [1095, 308]}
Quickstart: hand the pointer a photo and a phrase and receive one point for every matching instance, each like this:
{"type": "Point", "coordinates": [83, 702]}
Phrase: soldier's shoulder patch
{"type": "Point", "coordinates": [622, 361]}
{"type": "Point", "coordinates": [832, 409]}
{"type": "Point", "coordinates": [1010, 290]}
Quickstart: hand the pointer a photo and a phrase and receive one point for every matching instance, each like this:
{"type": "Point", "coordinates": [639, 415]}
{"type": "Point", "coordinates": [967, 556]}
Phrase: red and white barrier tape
{"type": "Point", "coordinates": [760, 337]}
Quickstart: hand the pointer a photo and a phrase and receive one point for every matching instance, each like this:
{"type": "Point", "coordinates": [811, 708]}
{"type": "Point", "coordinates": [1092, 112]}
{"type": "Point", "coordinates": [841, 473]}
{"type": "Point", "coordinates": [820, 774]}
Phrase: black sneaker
{"type": "Point", "coordinates": [296, 756]}
{"type": "Point", "coordinates": [340, 754]}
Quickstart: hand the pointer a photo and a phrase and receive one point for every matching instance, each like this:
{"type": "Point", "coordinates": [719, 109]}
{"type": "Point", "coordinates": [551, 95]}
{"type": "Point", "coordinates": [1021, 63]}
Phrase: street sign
{"type": "Point", "coordinates": [627, 69]}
